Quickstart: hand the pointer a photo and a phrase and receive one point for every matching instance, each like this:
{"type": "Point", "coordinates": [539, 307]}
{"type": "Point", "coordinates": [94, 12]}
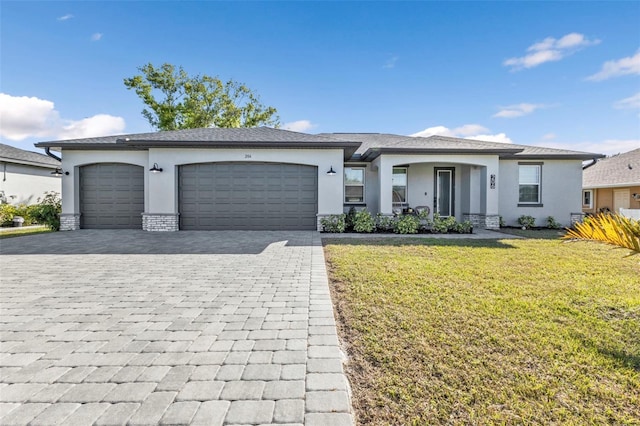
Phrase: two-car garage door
{"type": "Point", "coordinates": [248, 196]}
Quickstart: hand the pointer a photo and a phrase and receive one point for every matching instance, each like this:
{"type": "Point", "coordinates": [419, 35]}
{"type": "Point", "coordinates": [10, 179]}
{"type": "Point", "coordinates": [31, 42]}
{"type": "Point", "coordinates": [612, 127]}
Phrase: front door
{"type": "Point", "coordinates": [444, 191]}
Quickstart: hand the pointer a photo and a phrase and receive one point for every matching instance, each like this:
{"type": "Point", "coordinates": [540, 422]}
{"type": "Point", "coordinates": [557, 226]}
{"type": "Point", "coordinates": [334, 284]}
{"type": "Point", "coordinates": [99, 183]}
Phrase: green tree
{"type": "Point", "coordinates": [175, 100]}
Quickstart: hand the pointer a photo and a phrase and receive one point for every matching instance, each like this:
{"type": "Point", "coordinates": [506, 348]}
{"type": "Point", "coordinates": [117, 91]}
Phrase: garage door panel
{"type": "Point", "coordinates": [251, 196]}
{"type": "Point", "coordinates": [111, 196]}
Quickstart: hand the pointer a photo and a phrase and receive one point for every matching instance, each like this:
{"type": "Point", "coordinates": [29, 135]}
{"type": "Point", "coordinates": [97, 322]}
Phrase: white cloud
{"type": "Point", "coordinates": [549, 50]}
{"type": "Point", "coordinates": [468, 131]}
{"type": "Point", "coordinates": [299, 126]}
{"type": "Point", "coordinates": [631, 102]}
{"type": "Point", "coordinates": [608, 146]}
{"type": "Point", "coordinates": [513, 111]}
{"type": "Point", "coordinates": [65, 17]}
{"type": "Point", "coordinates": [549, 136]}
{"type": "Point", "coordinates": [498, 137]}
{"type": "Point", "coordinates": [25, 117]}
{"type": "Point", "coordinates": [625, 66]}
{"type": "Point", "coordinates": [97, 125]}
{"type": "Point", "coordinates": [391, 62]}
{"type": "Point", "coordinates": [96, 37]}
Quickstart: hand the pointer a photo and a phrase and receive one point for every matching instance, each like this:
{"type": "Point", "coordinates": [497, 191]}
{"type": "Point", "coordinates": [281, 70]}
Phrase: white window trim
{"type": "Point", "coordinates": [363, 185]}
{"type": "Point", "coordinates": [590, 205]}
{"type": "Point", "coordinates": [531, 203]}
{"type": "Point", "coordinates": [406, 187]}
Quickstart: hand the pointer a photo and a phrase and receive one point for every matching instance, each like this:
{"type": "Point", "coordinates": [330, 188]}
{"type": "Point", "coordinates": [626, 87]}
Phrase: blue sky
{"type": "Point", "coordinates": [559, 74]}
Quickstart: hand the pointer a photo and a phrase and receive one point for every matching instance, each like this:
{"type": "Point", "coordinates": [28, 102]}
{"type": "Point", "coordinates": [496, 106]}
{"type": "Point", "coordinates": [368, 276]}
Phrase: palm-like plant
{"type": "Point", "coordinates": [611, 229]}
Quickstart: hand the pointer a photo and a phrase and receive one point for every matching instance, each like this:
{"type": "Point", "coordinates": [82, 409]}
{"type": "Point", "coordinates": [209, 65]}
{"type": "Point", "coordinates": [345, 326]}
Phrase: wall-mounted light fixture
{"type": "Point", "coordinates": [331, 172]}
{"type": "Point", "coordinates": [58, 172]}
{"type": "Point", "coordinates": [155, 168]}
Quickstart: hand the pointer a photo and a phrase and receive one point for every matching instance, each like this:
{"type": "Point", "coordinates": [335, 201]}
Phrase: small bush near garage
{"type": "Point", "coordinates": [47, 211]}
{"type": "Point", "coordinates": [9, 211]}
{"type": "Point", "coordinates": [334, 223]}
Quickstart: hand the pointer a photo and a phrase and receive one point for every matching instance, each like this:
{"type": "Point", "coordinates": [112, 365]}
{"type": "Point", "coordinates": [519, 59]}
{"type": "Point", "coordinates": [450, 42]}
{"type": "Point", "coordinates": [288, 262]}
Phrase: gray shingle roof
{"type": "Point", "coordinates": [232, 135]}
{"type": "Point", "coordinates": [12, 154]}
{"type": "Point", "coordinates": [614, 171]}
{"type": "Point", "coordinates": [265, 137]}
{"type": "Point", "coordinates": [380, 142]}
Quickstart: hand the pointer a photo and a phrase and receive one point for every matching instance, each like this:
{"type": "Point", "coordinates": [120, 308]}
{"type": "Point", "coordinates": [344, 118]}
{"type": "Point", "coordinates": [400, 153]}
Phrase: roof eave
{"type": "Point", "coordinates": [577, 156]}
{"type": "Point", "coordinates": [612, 185]}
{"type": "Point", "coordinates": [28, 163]}
{"type": "Point", "coordinates": [373, 153]}
{"type": "Point", "coordinates": [349, 148]}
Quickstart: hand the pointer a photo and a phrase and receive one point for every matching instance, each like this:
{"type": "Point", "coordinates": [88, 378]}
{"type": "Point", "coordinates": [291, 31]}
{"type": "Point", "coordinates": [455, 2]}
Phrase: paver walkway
{"type": "Point", "coordinates": [131, 327]}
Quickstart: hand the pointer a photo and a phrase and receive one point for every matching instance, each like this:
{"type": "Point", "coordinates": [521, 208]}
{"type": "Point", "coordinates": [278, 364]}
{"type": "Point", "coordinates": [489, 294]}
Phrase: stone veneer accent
{"type": "Point", "coordinates": [69, 221]}
{"type": "Point", "coordinates": [576, 218]}
{"type": "Point", "coordinates": [483, 221]}
{"type": "Point", "coordinates": [160, 222]}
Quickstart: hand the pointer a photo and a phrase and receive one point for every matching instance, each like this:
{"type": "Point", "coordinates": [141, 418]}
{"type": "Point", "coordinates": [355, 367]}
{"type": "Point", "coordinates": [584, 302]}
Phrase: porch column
{"type": "Point", "coordinates": [385, 174]}
{"type": "Point", "coordinates": [492, 188]}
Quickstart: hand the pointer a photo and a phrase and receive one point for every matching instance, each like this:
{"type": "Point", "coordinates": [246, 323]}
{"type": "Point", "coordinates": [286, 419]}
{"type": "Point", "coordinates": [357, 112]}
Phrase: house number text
{"type": "Point", "coordinates": [247, 156]}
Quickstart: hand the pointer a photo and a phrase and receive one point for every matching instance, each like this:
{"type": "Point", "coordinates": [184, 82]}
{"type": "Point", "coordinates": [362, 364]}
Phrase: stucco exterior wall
{"type": "Point", "coordinates": [72, 160]}
{"type": "Point", "coordinates": [23, 184]}
{"type": "Point", "coordinates": [561, 192]}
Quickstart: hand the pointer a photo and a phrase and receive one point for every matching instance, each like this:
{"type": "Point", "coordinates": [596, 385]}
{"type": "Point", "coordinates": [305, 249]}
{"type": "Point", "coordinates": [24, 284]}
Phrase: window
{"type": "Point", "coordinates": [587, 198]}
{"type": "Point", "coordinates": [399, 184]}
{"type": "Point", "coordinates": [354, 185]}
{"type": "Point", "coordinates": [529, 179]}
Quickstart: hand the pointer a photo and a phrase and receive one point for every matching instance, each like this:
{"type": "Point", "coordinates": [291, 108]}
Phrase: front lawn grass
{"type": "Point", "coordinates": [525, 331]}
{"type": "Point", "coordinates": [19, 232]}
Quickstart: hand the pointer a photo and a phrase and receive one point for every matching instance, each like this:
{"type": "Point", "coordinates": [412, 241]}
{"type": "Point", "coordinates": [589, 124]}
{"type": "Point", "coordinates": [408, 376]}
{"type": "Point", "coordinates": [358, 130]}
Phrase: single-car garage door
{"type": "Point", "coordinates": [111, 196]}
{"type": "Point", "coordinates": [248, 196]}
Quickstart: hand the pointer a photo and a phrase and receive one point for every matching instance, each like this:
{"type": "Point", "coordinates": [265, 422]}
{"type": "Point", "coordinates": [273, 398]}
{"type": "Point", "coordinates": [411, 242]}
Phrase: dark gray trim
{"type": "Point", "coordinates": [531, 163]}
{"type": "Point", "coordinates": [453, 188]}
{"type": "Point", "coordinates": [373, 153]}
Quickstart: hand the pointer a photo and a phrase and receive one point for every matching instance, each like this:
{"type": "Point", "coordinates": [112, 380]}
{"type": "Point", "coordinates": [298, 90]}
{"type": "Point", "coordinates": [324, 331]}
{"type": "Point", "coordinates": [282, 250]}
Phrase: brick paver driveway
{"type": "Point", "coordinates": [131, 327]}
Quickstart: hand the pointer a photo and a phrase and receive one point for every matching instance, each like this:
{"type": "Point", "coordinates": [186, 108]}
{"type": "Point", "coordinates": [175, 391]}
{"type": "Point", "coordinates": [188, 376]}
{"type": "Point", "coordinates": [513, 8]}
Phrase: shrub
{"type": "Point", "coordinates": [350, 219]}
{"type": "Point", "coordinates": [552, 224]}
{"type": "Point", "coordinates": [363, 222]}
{"type": "Point", "coordinates": [407, 224]}
{"type": "Point", "coordinates": [609, 228]}
{"type": "Point", "coordinates": [333, 223]}
{"type": "Point", "coordinates": [47, 211]}
{"type": "Point", "coordinates": [502, 223]}
{"type": "Point", "coordinates": [465, 227]}
{"type": "Point", "coordinates": [9, 211]}
{"type": "Point", "coordinates": [442, 225]}
{"type": "Point", "coordinates": [526, 221]}
{"type": "Point", "coordinates": [384, 223]}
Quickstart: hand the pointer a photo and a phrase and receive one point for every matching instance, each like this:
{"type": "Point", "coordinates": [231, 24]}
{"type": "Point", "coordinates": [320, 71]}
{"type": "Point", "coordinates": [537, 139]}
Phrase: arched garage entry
{"type": "Point", "coordinates": [248, 196]}
{"type": "Point", "coordinates": [111, 196]}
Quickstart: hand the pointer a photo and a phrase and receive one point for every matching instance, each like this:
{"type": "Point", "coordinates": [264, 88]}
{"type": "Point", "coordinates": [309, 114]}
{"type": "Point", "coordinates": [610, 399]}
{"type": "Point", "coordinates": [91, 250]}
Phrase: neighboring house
{"type": "Point", "coordinates": [26, 175]}
{"type": "Point", "coordinates": [264, 178]}
{"type": "Point", "coordinates": [612, 183]}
